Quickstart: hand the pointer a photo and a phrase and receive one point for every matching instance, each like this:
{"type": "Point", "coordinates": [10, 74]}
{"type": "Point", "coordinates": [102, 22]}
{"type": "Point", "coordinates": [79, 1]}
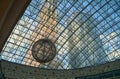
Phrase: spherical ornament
{"type": "Point", "coordinates": [43, 50]}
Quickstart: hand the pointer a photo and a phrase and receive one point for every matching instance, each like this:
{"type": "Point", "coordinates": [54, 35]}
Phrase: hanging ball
{"type": "Point", "coordinates": [44, 50]}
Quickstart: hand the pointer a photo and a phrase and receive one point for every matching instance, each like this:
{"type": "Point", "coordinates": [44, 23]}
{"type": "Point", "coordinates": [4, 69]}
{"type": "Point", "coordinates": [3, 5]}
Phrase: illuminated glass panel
{"type": "Point", "coordinates": [85, 33]}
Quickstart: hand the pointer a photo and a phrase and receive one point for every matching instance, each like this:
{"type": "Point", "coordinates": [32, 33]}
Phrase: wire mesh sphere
{"type": "Point", "coordinates": [44, 50]}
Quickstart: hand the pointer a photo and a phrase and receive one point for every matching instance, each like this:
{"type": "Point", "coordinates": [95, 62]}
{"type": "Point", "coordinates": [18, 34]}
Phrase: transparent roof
{"type": "Point", "coordinates": [85, 33]}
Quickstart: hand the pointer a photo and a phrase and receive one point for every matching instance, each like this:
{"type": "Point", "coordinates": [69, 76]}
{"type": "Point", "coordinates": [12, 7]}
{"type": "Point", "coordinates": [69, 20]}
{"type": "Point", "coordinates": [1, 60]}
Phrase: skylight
{"type": "Point", "coordinates": [85, 33]}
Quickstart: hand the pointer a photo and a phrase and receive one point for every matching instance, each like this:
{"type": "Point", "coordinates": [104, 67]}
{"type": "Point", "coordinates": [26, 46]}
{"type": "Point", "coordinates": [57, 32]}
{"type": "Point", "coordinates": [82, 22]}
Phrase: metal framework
{"type": "Point", "coordinates": [85, 32]}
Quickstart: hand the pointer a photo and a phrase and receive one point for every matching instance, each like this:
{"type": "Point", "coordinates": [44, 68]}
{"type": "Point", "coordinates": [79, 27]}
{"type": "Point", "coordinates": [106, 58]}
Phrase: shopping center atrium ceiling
{"type": "Point", "coordinates": [85, 33]}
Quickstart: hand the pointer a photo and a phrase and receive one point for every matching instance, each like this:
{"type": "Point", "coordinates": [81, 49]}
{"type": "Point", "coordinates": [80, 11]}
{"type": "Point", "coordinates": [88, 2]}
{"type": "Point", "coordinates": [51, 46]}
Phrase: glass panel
{"type": "Point", "coordinates": [85, 32]}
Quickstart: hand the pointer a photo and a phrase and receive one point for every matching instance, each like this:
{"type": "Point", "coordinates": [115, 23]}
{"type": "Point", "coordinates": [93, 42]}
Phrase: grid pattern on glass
{"type": "Point", "coordinates": [85, 32]}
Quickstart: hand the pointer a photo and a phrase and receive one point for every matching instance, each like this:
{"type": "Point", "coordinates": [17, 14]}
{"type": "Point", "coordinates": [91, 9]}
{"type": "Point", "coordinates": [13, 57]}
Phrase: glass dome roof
{"type": "Point", "coordinates": [85, 33]}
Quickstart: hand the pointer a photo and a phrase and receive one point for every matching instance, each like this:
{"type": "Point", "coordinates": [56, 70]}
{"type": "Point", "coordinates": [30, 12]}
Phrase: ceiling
{"type": "Point", "coordinates": [10, 9]}
{"type": "Point", "coordinates": [85, 33]}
